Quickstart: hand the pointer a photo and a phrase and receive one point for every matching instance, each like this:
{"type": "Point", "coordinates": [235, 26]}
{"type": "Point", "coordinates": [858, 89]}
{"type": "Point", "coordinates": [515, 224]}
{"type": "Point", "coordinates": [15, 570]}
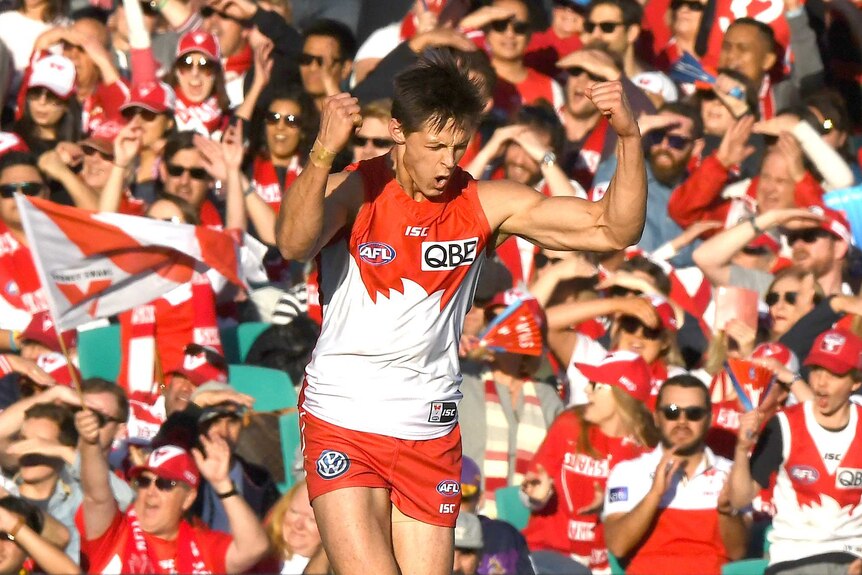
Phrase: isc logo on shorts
{"type": "Point", "coordinates": [376, 253]}
{"type": "Point", "coordinates": [331, 464]}
{"type": "Point", "coordinates": [804, 474]}
{"type": "Point", "coordinates": [848, 478]}
{"type": "Point", "coordinates": [444, 256]}
{"type": "Point", "coordinates": [443, 412]}
{"type": "Point", "coordinates": [449, 488]}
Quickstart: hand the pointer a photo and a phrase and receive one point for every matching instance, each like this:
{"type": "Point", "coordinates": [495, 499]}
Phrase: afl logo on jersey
{"type": "Point", "coordinates": [804, 474]}
{"type": "Point", "coordinates": [331, 464]}
{"type": "Point", "coordinates": [376, 253]}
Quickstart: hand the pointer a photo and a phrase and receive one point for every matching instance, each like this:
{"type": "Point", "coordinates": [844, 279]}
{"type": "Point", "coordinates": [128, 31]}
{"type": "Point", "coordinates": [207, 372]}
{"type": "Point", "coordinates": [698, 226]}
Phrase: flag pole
{"type": "Point", "coordinates": [69, 365]}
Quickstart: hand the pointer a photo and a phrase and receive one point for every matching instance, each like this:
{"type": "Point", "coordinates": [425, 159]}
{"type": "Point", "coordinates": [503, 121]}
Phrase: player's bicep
{"type": "Point", "coordinates": [344, 193]}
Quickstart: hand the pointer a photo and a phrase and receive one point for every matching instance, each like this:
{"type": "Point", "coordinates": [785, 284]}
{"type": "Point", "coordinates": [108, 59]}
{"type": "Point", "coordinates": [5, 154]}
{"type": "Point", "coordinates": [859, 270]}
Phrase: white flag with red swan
{"type": "Point", "coordinates": [98, 264]}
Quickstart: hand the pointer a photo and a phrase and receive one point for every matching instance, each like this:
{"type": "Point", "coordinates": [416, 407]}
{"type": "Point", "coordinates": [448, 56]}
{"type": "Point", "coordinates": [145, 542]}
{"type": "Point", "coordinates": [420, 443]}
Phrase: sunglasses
{"type": "Point", "coordinates": [176, 171]}
{"type": "Point", "coordinates": [631, 324]}
{"type": "Point", "coordinates": [576, 71]}
{"type": "Point", "coordinates": [131, 113]}
{"type": "Point", "coordinates": [273, 118]}
{"type": "Point", "coordinates": [376, 142]}
{"type": "Point", "coordinates": [306, 59]}
{"type": "Point", "coordinates": [203, 64]}
{"type": "Point", "coordinates": [673, 411]}
{"type": "Point", "coordinates": [774, 297]}
{"type": "Point", "coordinates": [674, 141]}
{"type": "Point", "coordinates": [26, 188]}
{"type": "Point", "coordinates": [619, 291]}
{"type": "Point", "coordinates": [105, 419]}
{"type": "Point", "coordinates": [162, 484]}
{"type": "Point", "coordinates": [605, 27]}
{"type": "Point", "coordinates": [808, 236]}
{"type": "Point", "coordinates": [758, 251]}
{"type": "Point", "coordinates": [692, 5]}
{"type": "Point", "coordinates": [518, 27]}
{"type": "Point", "coordinates": [40, 92]}
{"type": "Point", "coordinates": [91, 151]}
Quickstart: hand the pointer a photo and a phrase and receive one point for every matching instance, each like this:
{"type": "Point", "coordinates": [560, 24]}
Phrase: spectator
{"type": "Point", "coordinates": [569, 471]}
{"type": "Point", "coordinates": [668, 509]}
{"type": "Point", "coordinates": [373, 139]}
{"type": "Point", "coordinates": [19, 29]}
{"type": "Point", "coordinates": [235, 57]}
{"type": "Point", "coordinates": [812, 448]}
{"type": "Point", "coordinates": [198, 79]}
{"type": "Point", "coordinates": [561, 38]}
{"type": "Point", "coordinates": [292, 530]}
{"type": "Point", "coordinates": [184, 175]}
{"type": "Point", "coordinates": [468, 544]}
{"type": "Point", "coordinates": [222, 417]}
{"type": "Point", "coordinates": [166, 485]}
{"type": "Point", "coordinates": [22, 525]}
{"type": "Point", "coordinates": [504, 551]}
{"type": "Point", "coordinates": [327, 58]}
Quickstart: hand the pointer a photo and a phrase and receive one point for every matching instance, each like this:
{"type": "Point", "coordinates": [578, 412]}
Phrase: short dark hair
{"type": "Point", "coordinates": [688, 111]}
{"type": "Point", "coordinates": [59, 414]}
{"type": "Point", "coordinates": [99, 385]}
{"type": "Point", "coordinates": [178, 141]}
{"type": "Point", "coordinates": [31, 514]}
{"type": "Point", "coordinates": [336, 30]}
{"type": "Point", "coordinates": [687, 381]}
{"type": "Point", "coordinates": [652, 269]}
{"type": "Point", "coordinates": [16, 158]}
{"type": "Point", "coordinates": [631, 10]}
{"type": "Point", "coordinates": [542, 117]}
{"type": "Point", "coordinates": [437, 91]}
{"type": "Point", "coordinates": [766, 33]}
{"type": "Point", "coordinates": [286, 347]}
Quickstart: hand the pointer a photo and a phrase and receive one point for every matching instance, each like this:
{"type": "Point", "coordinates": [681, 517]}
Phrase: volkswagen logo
{"type": "Point", "coordinates": [331, 464]}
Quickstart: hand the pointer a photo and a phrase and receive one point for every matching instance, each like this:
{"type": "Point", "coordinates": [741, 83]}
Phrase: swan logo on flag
{"type": "Point", "coordinates": [332, 464]}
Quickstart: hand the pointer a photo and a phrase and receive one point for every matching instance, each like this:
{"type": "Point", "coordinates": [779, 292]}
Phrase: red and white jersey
{"type": "Point", "coordinates": [395, 289]}
{"type": "Point", "coordinates": [686, 524]}
{"type": "Point", "coordinates": [818, 488]}
{"type": "Point", "coordinates": [20, 289]}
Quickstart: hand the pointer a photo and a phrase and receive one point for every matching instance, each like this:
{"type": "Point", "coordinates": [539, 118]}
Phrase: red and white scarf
{"type": "Point", "coordinates": [532, 429]}
{"type": "Point", "coordinates": [265, 179]}
{"type": "Point", "coordinates": [203, 117]}
{"type": "Point", "coordinates": [139, 558]}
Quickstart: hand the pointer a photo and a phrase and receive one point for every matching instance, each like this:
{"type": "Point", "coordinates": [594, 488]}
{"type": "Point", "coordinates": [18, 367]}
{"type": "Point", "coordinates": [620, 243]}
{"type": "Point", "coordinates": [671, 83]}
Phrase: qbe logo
{"type": "Point", "coordinates": [443, 412]}
{"type": "Point", "coordinates": [449, 488]}
{"type": "Point", "coordinates": [848, 478]}
{"type": "Point", "coordinates": [804, 474]}
{"type": "Point", "coordinates": [445, 256]}
{"type": "Point", "coordinates": [376, 253]}
{"type": "Point", "coordinates": [331, 464]}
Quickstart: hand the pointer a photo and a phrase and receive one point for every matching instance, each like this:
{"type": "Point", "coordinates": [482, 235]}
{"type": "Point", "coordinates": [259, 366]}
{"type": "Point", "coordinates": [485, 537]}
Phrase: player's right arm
{"type": "Point", "coordinates": [317, 205]}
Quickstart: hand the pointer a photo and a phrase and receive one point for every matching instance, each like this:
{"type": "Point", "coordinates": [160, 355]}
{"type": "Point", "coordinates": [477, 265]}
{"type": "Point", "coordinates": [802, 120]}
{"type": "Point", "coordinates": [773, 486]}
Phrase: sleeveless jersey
{"type": "Point", "coordinates": [394, 290]}
{"type": "Point", "coordinates": [818, 488]}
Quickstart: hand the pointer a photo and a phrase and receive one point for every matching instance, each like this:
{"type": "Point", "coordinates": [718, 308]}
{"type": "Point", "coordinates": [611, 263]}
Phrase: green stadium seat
{"type": "Point", "coordinates": [272, 389]}
{"type": "Point", "coordinates": [510, 508]}
{"type": "Point", "coordinates": [237, 340]}
{"type": "Point", "coordinates": [745, 567]}
{"type": "Point", "coordinates": [288, 427]}
{"type": "Point", "coordinates": [99, 352]}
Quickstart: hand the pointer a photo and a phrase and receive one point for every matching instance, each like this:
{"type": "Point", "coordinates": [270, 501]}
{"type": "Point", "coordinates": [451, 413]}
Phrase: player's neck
{"type": "Point", "coordinates": [402, 176]}
{"type": "Point", "coordinates": [835, 421]}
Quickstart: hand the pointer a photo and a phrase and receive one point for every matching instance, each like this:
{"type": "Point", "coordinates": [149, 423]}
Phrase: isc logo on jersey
{"type": "Point", "coordinates": [376, 253]}
{"type": "Point", "coordinates": [848, 478]}
{"type": "Point", "coordinates": [446, 256]}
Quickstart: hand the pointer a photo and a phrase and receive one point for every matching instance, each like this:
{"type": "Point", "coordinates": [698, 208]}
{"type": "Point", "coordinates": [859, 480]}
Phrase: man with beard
{"type": "Point", "coordinates": [671, 137]}
{"type": "Point", "coordinates": [682, 516]}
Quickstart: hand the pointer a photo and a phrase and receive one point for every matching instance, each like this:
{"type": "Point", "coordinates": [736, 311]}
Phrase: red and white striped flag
{"type": "Point", "coordinates": [95, 265]}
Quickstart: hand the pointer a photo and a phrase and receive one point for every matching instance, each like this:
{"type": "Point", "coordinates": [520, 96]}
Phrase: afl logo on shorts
{"type": "Point", "coordinates": [449, 488]}
{"type": "Point", "coordinates": [376, 253]}
{"type": "Point", "coordinates": [331, 464]}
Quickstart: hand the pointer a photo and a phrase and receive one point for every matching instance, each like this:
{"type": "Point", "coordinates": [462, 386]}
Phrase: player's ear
{"type": "Point", "coordinates": [396, 130]}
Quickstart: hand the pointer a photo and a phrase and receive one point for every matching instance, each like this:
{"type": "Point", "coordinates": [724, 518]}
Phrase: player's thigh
{"type": "Point", "coordinates": [354, 525]}
{"type": "Point", "coordinates": [421, 548]}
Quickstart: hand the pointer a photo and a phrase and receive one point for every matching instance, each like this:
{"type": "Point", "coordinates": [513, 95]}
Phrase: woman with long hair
{"type": "Point", "coordinates": [198, 80]}
{"type": "Point", "coordinates": [565, 485]}
{"type": "Point", "coordinates": [292, 530]}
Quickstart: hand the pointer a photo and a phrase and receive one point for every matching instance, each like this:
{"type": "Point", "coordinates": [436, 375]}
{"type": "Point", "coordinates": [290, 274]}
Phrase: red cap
{"type": "Point", "coordinates": [665, 312]}
{"type": "Point", "coordinates": [202, 364]}
{"type": "Point", "coordinates": [170, 462]}
{"type": "Point", "coordinates": [834, 222]}
{"type": "Point", "coordinates": [778, 351]}
{"type": "Point", "coordinates": [623, 369]}
{"type": "Point", "coordinates": [199, 41]}
{"type": "Point", "coordinates": [102, 137]}
{"type": "Point", "coordinates": [154, 96]}
{"type": "Point", "coordinates": [41, 330]}
{"type": "Point", "coordinates": [765, 240]}
{"type": "Point", "coordinates": [837, 351]}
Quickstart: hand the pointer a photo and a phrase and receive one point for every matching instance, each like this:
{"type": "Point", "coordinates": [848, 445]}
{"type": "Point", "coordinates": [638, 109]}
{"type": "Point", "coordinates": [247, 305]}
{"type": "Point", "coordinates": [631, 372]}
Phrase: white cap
{"type": "Point", "coordinates": [468, 531]}
{"type": "Point", "coordinates": [657, 83]}
{"type": "Point", "coordinates": [55, 72]}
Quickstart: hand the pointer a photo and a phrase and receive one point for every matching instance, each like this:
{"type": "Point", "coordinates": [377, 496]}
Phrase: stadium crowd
{"type": "Point", "coordinates": [695, 408]}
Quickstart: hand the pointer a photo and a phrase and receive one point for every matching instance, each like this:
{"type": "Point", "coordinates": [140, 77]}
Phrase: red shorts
{"type": "Point", "coordinates": [423, 476]}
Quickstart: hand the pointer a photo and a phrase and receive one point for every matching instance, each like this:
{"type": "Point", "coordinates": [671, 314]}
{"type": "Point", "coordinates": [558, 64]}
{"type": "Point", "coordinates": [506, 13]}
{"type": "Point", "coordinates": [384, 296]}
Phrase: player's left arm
{"type": "Point", "coordinates": [566, 223]}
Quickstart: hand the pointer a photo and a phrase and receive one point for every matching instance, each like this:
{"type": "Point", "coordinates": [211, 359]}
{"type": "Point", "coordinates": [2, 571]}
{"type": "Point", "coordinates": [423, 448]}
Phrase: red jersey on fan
{"type": "Point", "coordinates": [19, 282]}
{"type": "Point", "coordinates": [546, 48]}
{"type": "Point", "coordinates": [510, 97]}
{"type": "Point", "coordinates": [264, 179]}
